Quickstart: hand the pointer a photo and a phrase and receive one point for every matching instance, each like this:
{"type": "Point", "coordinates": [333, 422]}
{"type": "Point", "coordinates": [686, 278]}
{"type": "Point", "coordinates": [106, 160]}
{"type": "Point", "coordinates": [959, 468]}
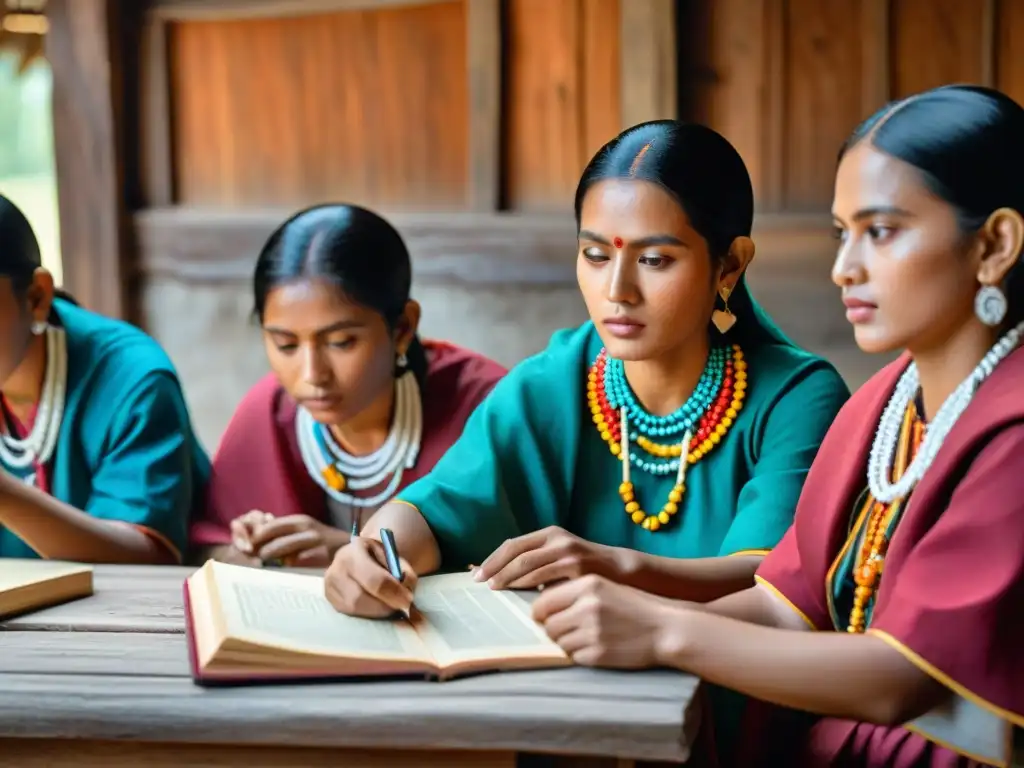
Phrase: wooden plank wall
{"type": "Point", "coordinates": [373, 104]}
{"type": "Point", "coordinates": [787, 80]}
{"type": "Point", "coordinates": [450, 116]}
{"type": "Point", "coordinates": [460, 115]}
{"type": "Point", "coordinates": [365, 105]}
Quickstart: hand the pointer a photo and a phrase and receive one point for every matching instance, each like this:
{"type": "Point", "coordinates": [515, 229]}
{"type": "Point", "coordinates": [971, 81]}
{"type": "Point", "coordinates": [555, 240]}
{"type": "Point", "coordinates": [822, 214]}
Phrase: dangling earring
{"type": "Point", "coordinates": [39, 327]}
{"type": "Point", "coordinates": [990, 305]}
{"type": "Point", "coordinates": [723, 318]}
{"type": "Point", "coordinates": [402, 361]}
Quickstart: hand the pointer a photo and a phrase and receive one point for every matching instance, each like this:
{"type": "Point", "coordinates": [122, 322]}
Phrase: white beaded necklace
{"type": "Point", "coordinates": [883, 449]}
{"type": "Point", "coordinates": [399, 451]}
{"type": "Point", "coordinates": [39, 444]}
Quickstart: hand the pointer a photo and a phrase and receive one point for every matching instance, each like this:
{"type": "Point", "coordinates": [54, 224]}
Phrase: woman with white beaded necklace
{"type": "Point", "coordinates": [891, 609]}
{"type": "Point", "coordinates": [98, 460]}
{"type": "Point", "coordinates": [356, 406]}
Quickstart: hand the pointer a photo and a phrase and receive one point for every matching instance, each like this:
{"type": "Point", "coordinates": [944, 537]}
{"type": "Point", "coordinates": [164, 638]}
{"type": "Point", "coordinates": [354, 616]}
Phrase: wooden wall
{"type": "Point", "coordinates": [787, 80]}
{"type": "Point", "coordinates": [431, 106]}
{"type": "Point", "coordinates": [467, 122]}
{"type": "Point", "coordinates": [365, 105]}
{"type": "Point", "coordinates": [188, 129]}
{"type": "Point", "coordinates": [465, 112]}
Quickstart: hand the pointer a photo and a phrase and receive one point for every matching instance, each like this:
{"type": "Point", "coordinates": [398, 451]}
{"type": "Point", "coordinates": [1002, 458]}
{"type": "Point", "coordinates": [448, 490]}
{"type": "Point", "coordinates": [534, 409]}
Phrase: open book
{"type": "Point", "coordinates": [250, 624]}
{"type": "Point", "coordinates": [28, 585]}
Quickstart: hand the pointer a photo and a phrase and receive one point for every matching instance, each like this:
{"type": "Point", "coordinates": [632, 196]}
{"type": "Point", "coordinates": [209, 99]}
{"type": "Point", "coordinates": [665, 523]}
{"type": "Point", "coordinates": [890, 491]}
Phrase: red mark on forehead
{"type": "Point", "coordinates": [617, 242]}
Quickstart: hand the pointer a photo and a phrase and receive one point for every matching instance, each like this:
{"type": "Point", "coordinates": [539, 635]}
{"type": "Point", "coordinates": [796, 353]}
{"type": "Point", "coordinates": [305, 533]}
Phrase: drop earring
{"type": "Point", "coordinates": [39, 327]}
{"type": "Point", "coordinates": [723, 319]}
{"type": "Point", "coordinates": [990, 305]}
{"type": "Point", "coordinates": [402, 361]}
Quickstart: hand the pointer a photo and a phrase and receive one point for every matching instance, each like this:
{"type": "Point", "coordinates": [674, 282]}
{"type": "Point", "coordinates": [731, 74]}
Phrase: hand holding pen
{"type": "Point", "coordinates": [360, 581]}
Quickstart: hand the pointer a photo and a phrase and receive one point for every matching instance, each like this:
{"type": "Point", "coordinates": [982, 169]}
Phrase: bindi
{"type": "Point", "coordinates": [617, 242]}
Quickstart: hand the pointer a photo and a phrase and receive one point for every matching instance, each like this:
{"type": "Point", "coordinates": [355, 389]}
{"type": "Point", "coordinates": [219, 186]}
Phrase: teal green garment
{"type": "Point", "coordinates": [126, 449]}
{"type": "Point", "coordinates": [530, 457]}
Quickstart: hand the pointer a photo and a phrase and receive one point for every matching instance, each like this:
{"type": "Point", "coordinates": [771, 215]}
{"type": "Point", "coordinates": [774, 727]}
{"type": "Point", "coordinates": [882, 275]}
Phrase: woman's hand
{"type": "Point", "coordinates": [244, 527]}
{"type": "Point", "coordinates": [358, 581]}
{"type": "Point", "coordinates": [550, 555]}
{"type": "Point", "coordinates": [297, 541]}
{"type": "Point", "coordinates": [603, 624]}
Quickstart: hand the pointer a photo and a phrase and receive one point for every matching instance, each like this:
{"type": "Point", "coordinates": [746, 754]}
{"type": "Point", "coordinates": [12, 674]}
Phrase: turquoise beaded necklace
{"type": "Point", "coordinates": [674, 425]}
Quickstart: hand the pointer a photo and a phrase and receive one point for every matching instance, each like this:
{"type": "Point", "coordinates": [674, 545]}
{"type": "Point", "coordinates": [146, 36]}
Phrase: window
{"type": "Point", "coordinates": [27, 173]}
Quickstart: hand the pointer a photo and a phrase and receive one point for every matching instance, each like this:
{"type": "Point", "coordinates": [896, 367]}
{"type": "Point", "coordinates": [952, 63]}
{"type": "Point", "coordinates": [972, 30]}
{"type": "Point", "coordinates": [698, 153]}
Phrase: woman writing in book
{"type": "Point", "coordinates": [98, 458]}
{"type": "Point", "coordinates": [896, 595]}
{"type": "Point", "coordinates": [356, 406]}
{"type": "Point", "coordinates": [689, 428]}
{"type": "Point", "coordinates": [663, 444]}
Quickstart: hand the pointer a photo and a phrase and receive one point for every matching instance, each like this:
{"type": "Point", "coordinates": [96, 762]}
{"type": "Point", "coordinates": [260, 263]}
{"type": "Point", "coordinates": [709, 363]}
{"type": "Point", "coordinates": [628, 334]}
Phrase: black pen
{"type": "Point", "coordinates": [387, 538]}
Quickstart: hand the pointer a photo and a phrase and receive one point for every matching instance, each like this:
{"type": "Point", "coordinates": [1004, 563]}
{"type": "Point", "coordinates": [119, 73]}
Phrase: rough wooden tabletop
{"type": "Point", "coordinates": [114, 666]}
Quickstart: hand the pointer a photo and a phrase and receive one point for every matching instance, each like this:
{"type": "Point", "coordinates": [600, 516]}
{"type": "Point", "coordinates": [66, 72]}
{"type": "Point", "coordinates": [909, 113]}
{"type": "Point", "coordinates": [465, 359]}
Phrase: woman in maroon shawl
{"type": "Point", "coordinates": [356, 407]}
{"type": "Point", "coordinates": [891, 609]}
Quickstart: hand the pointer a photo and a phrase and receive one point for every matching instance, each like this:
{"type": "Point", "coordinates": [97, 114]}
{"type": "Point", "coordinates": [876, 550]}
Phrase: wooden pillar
{"type": "Point", "coordinates": [83, 47]}
{"type": "Point", "coordinates": [648, 61]}
{"type": "Point", "coordinates": [483, 28]}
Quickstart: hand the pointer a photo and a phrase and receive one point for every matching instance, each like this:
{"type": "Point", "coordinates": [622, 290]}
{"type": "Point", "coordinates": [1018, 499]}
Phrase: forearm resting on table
{"type": "Point", "coordinates": [58, 531]}
{"type": "Point", "coordinates": [699, 580]}
{"type": "Point", "coordinates": [834, 674]}
{"type": "Point", "coordinates": [413, 537]}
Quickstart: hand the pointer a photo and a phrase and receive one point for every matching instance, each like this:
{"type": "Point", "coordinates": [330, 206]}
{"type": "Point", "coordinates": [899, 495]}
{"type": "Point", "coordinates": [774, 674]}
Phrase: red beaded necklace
{"type": "Point", "coordinates": [712, 427]}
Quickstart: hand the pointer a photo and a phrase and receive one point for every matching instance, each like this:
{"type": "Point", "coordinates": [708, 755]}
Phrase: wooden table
{"type": "Point", "coordinates": [105, 681]}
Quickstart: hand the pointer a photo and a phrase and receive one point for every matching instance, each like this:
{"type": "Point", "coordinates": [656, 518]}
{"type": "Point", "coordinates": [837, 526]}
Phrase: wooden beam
{"type": "Point", "coordinates": [217, 246]}
{"type": "Point", "coordinates": [156, 161]}
{"type": "Point", "coordinates": [648, 61]}
{"type": "Point", "coordinates": [989, 42]}
{"type": "Point", "coordinates": [484, 56]}
{"type": "Point", "coordinates": [773, 152]}
{"type": "Point", "coordinates": [876, 42]}
{"type": "Point", "coordinates": [221, 10]}
{"type": "Point", "coordinates": [84, 50]}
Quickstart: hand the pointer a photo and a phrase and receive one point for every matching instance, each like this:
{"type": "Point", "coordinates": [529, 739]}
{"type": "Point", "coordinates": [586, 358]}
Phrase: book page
{"type": "Point", "coordinates": [460, 619]}
{"type": "Point", "coordinates": [289, 611]}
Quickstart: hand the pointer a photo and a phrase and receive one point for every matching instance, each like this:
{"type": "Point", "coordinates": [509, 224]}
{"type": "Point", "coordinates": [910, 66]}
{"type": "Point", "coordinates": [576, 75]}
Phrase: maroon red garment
{"type": "Point", "coordinates": [259, 466]}
{"type": "Point", "coordinates": [951, 596]}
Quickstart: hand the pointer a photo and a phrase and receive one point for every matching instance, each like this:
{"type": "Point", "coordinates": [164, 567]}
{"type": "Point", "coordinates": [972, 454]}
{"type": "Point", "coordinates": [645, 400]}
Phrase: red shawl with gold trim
{"type": "Point", "coordinates": [953, 589]}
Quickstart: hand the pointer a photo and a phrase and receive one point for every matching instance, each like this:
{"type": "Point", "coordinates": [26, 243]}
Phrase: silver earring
{"type": "Point", "coordinates": [402, 360]}
{"type": "Point", "coordinates": [39, 327]}
{"type": "Point", "coordinates": [990, 305]}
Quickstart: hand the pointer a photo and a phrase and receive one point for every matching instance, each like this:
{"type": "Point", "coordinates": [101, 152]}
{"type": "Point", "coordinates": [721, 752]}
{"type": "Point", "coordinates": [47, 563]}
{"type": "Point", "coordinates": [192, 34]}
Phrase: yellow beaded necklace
{"type": "Point", "coordinates": [867, 570]}
{"type": "Point", "coordinates": [612, 425]}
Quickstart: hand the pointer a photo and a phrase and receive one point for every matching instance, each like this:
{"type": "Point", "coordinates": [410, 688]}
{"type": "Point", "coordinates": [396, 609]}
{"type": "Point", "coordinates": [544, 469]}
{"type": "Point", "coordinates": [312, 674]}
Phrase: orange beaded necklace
{"type": "Point", "coordinates": [867, 570]}
{"type": "Point", "coordinates": [723, 406]}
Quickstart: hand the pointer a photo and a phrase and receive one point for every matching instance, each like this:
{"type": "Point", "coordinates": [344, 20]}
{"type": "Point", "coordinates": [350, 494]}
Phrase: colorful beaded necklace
{"type": "Point", "coordinates": [867, 569]}
{"type": "Point", "coordinates": [697, 426]}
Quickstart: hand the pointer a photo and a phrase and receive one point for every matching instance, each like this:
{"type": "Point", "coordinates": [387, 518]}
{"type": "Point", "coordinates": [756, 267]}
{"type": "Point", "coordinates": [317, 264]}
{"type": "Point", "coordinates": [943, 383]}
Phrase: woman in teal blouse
{"type": "Point", "coordinates": [98, 461]}
{"type": "Point", "coordinates": [536, 490]}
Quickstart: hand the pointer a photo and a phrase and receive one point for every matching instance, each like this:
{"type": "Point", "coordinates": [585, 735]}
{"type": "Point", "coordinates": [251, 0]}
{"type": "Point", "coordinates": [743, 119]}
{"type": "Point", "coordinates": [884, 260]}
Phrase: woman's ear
{"type": "Point", "coordinates": [1003, 239]}
{"type": "Point", "coordinates": [407, 326]}
{"type": "Point", "coordinates": [735, 263]}
{"type": "Point", "coordinates": [40, 295]}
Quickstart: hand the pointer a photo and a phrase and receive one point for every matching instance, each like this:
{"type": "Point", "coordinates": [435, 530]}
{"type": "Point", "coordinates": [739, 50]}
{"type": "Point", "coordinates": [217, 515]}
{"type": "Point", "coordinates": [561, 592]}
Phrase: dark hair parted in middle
{"type": "Point", "coordinates": [350, 247]}
{"type": "Point", "coordinates": [967, 142]}
{"type": "Point", "coordinates": [707, 177]}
